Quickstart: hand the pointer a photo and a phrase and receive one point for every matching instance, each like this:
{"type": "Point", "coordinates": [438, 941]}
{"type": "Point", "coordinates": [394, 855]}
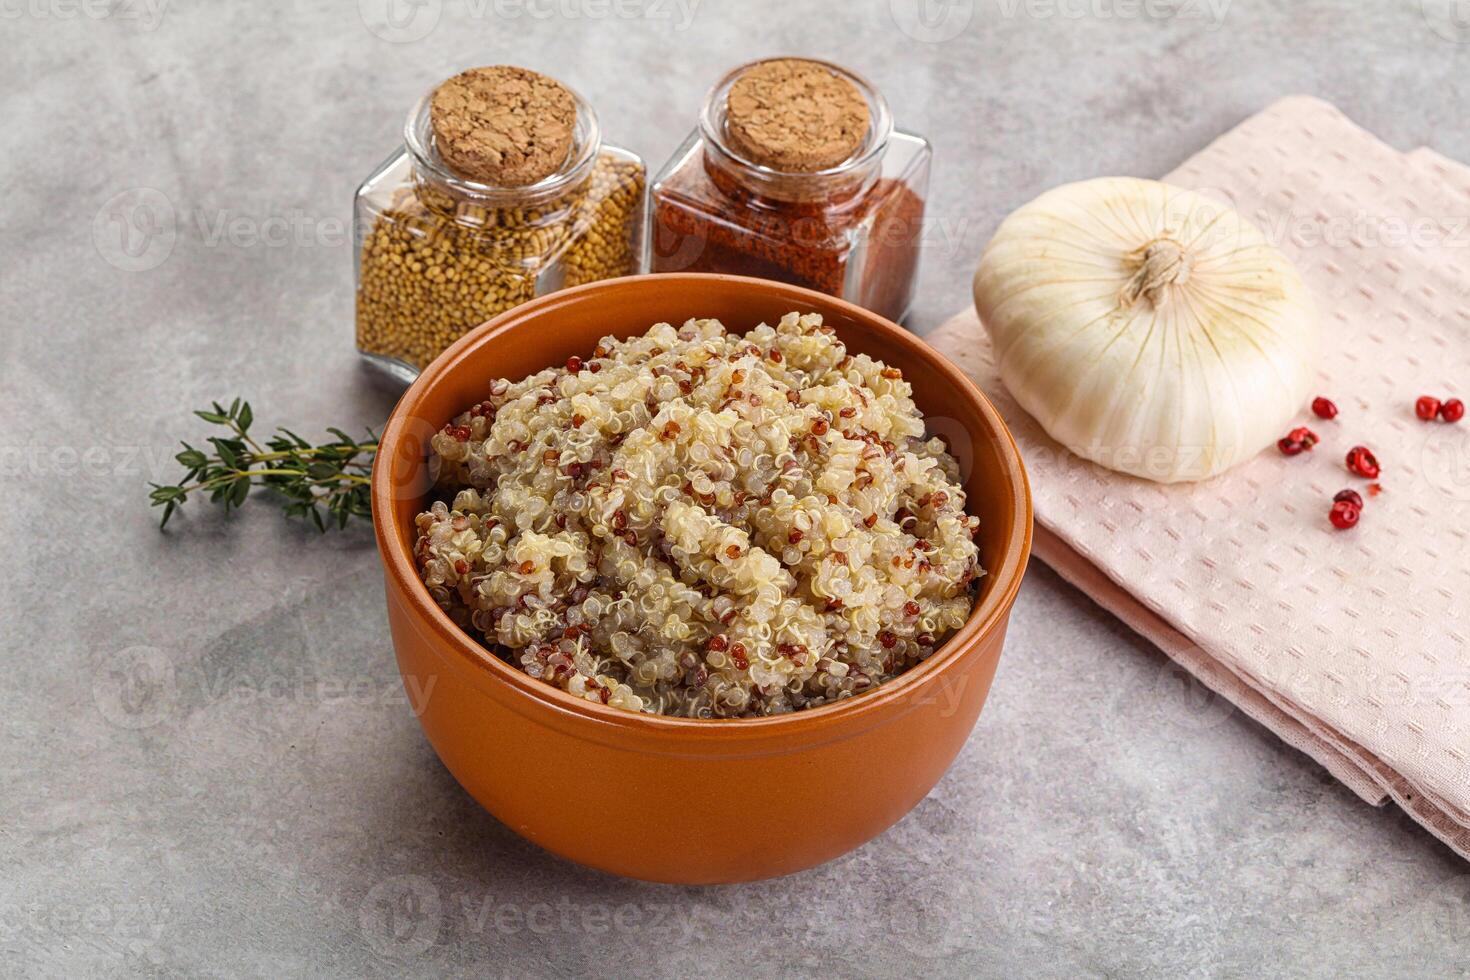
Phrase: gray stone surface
{"type": "Point", "coordinates": [208, 765]}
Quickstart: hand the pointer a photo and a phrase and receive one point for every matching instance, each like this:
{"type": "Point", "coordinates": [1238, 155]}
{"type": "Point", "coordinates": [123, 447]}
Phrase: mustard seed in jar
{"type": "Point", "coordinates": [504, 191]}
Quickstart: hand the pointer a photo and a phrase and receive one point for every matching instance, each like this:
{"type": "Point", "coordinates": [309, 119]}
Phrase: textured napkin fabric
{"type": "Point", "coordinates": [1352, 646]}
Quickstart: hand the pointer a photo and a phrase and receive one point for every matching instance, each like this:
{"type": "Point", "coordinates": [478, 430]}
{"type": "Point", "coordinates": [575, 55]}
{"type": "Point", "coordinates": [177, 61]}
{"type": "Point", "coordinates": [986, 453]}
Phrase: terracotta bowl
{"type": "Point", "coordinates": [685, 800]}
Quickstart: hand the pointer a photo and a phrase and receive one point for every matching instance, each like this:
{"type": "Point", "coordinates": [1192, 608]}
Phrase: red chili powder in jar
{"type": "Point", "coordinates": [780, 187]}
{"type": "Point", "coordinates": [706, 222]}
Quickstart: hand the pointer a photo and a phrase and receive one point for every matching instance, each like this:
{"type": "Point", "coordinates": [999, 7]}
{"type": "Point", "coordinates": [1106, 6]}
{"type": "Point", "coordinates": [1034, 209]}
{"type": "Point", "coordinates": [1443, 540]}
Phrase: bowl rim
{"type": "Point", "coordinates": [987, 615]}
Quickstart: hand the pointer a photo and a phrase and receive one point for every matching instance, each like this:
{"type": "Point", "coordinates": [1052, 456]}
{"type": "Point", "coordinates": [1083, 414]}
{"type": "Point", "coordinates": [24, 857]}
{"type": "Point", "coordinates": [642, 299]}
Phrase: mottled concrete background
{"type": "Point", "coordinates": [208, 765]}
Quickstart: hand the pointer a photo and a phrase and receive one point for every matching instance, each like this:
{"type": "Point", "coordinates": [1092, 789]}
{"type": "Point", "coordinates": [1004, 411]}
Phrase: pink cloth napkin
{"type": "Point", "coordinates": [1352, 646]}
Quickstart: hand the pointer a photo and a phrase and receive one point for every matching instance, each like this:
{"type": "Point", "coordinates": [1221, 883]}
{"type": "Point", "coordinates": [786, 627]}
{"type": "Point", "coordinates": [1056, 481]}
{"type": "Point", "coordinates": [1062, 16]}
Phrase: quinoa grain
{"type": "Point", "coordinates": [697, 562]}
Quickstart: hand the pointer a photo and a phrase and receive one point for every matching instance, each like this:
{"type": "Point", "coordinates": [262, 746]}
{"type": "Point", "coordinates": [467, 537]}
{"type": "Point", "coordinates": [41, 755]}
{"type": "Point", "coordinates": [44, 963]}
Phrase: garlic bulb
{"type": "Point", "coordinates": [1147, 328]}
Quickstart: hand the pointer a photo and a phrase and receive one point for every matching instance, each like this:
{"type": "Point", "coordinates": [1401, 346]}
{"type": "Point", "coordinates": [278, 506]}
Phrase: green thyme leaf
{"type": "Point", "coordinates": [330, 478]}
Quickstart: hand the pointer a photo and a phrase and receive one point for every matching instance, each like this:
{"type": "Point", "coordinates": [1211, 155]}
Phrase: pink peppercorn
{"type": "Point", "coordinates": [1344, 515]}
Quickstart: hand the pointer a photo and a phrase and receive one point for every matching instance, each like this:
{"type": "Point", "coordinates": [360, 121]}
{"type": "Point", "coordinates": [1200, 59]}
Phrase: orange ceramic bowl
{"type": "Point", "coordinates": [687, 800]}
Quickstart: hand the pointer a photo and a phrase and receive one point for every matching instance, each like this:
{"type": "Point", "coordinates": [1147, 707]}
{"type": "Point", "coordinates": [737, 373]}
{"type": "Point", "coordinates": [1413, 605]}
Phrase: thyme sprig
{"type": "Point", "coordinates": [326, 484]}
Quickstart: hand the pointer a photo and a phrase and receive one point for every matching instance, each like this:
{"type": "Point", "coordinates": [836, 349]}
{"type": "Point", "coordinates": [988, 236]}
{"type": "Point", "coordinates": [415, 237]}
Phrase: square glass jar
{"type": "Point", "coordinates": [437, 254]}
{"type": "Point", "coordinates": [854, 230]}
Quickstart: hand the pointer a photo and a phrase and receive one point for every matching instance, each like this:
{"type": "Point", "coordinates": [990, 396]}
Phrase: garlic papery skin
{"type": "Point", "coordinates": [1147, 328]}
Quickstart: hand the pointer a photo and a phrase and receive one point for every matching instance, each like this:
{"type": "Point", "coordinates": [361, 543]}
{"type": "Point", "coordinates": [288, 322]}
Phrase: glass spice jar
{"type": "Point", "coordinates": [442, 248]}
{"type": "Point", "coordinates": [796, 173]}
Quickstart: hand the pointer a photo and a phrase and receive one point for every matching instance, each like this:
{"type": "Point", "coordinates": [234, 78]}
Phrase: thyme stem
{"type": "Point", "coordinates": [327, 484]}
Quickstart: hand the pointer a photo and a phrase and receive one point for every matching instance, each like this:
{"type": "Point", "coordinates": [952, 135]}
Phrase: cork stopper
{"type": "Point", "coordinates": [503, 125]}
{"type": "Point", "coordinates": [795, 115]}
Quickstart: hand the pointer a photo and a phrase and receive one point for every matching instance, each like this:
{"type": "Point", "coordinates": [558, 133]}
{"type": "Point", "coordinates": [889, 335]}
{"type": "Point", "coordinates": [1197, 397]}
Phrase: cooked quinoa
{"type": "Point", "coordinates": [698, 523]}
